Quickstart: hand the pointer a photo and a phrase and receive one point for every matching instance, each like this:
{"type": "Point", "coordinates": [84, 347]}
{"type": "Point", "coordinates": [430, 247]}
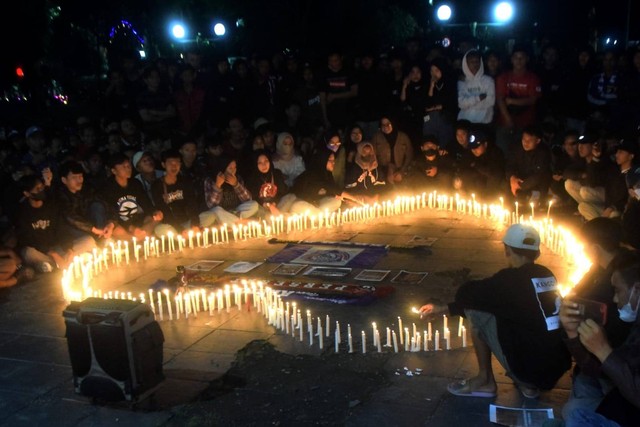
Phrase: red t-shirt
{"type": "Point", "coordinates": [511, 85]}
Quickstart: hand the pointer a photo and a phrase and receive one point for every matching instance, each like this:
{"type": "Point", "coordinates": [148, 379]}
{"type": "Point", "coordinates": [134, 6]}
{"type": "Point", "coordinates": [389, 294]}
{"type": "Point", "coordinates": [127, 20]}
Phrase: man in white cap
{"type": "Point", "coordinates": [514, 315]}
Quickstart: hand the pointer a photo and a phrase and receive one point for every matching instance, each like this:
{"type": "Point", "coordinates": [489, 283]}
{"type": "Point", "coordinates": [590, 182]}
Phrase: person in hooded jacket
{"type": "Point", "coordinates": [364, 179]}
{"type": "Point", "coordinates": [476, 92]}
{"type": "Point", "coordinates": [286, 159]}
{"type": "Point", "coordinates": [226, 196]}
{"type": "Point", "coordinates": [266, 184]}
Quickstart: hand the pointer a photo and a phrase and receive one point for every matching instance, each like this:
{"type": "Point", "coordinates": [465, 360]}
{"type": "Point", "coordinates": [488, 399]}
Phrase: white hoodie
{"type": "Point", "coordinates": [469, 90]}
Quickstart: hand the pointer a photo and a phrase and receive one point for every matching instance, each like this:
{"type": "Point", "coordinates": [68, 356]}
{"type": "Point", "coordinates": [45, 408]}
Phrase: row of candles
{"type": "Point", "coordinates": [86, 267]}
{"type": "Point", "coordinates": [287, 317]}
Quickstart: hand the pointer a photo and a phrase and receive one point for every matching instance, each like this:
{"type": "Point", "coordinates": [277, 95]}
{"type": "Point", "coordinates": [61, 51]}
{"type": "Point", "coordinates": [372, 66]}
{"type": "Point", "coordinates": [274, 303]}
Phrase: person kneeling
{"type": "Point", "coordinates": [514, 316]}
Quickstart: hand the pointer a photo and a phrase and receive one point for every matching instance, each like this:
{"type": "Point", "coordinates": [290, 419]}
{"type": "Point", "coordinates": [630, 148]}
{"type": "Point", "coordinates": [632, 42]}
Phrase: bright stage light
{"type": "Point", "coordinates": [219, 29]}
{"type": "Point", "coordinates": [444, 12]}
{"type": "Point", "coordinates": [503, 12]}
{"type": "Point", "coordinates": [178, 31]}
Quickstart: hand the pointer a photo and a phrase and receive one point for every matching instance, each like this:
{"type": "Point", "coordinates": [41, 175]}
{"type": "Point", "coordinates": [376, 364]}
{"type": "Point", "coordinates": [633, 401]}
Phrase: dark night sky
{"type": "Point", "coordinates": [278, 23]}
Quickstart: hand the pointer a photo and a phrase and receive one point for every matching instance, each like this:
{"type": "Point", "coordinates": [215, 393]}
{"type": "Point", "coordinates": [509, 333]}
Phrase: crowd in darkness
{"type": "Point", "coordinates": [177, 144]}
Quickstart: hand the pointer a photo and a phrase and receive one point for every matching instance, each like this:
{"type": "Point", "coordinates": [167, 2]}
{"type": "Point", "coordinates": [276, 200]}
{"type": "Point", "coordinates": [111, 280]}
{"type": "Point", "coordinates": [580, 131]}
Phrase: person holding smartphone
{"type": "Point", "coordinates": [606, 390]}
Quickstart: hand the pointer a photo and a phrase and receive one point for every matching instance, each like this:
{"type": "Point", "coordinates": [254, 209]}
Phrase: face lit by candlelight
{"type": "Point", "coordinates": [123, 170]}
{"type": "Point", "coordinates": [529, 142]}
{"type": "Point", "coordinates": [172, 166]}
{"type": "Point", "coordinates": [263, 163]}
{"type": "Point", "coordinates": [73, 181]}
{"type": "Point", "coordinates": [385, 126]}
{"type": "Point", "coordinates": [231, 168]}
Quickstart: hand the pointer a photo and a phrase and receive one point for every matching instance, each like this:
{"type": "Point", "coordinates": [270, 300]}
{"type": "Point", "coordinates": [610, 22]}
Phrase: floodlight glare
{"type": "Point", "coordinates": [178, 31]}
{"type": "Point", "coordinates": [219, 29]}
{"type": "Point", "coordinates": [444, 12]}
{"type": "Point", "coordinates": [503, 12]}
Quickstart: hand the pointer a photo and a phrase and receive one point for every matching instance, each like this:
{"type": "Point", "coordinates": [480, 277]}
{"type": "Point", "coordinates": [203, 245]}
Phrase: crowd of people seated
{"type": "Point", "coordinates": [176, 145]}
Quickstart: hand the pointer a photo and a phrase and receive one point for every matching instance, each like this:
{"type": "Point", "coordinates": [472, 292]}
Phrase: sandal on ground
{"type": "Point", "coordinates": [461, 388]}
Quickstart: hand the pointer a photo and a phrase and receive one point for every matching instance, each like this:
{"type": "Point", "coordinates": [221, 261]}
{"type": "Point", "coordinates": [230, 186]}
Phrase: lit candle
{"type": "Point", "coordinates": [447, 337]}
{"type": "Point", "coordinates": [407, 339]}
{"type": "Point", "coordinates": [327, 326]}
{"type": "Point", "coordinates": [464, 336]}
{"type": "Point", "coordinates": [151, 300]}
{"type": "Point", "coordinates": [364, 342]}
{"type": "Point", "coordinates": [160, 305]}
{"type": "Point", "coordinates": [444, 322]}
{"type": "Point", "coordinates": [126, 251]}
{"type": "Point", "coordinates": [400, 329]}
{"type": "Point", "coordinates": [349, 338]}
{"type": "Point", "coordinates": [337, 338]}
{"type": "Point", "coordinates": [162, 239]}
{"type": "Point", "coordinates": [320, 343]}
{"type": "Point", "coordinates": [166, 294]}
{"type": "Point", "coordinates": [395, 342]}
{"type": "Point", "coordinates": [388, 343]}
{"type": "Point", "coordinates": [429, 331]}
{"type": "Point", "coordinates": [460, 326]}
{"type": "Point", "coordinates": [373, 332]}
{"type": "Point", "coordinates": [378, 341]}
{"type": "Point", "coordinates": [436, 341]}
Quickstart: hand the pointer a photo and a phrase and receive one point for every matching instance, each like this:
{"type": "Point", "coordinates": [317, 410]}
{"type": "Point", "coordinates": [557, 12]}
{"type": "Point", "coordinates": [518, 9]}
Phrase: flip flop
{"type": "Point", "coordinates": [461, 388]}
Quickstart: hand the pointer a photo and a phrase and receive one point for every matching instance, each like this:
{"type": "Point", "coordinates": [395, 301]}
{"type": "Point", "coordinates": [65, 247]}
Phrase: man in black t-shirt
{"type": "Point", "coordinates": [174, 196]}
{"type": "Point", "coordinates": [37, 228]}
{"type": "Point", "coordinates": [337, 89]}
{"type": "Point", "coordinates": [133, 209]}
{"type": "Point", "coordinates": [514, 315]}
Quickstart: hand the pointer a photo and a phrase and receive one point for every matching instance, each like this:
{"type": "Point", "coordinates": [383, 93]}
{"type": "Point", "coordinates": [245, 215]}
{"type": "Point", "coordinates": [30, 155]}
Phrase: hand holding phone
{"type": "Point", "coordinates": [590, 309]}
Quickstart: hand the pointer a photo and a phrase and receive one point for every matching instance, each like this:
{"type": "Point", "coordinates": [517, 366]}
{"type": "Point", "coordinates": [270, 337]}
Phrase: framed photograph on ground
{"type": "Point", "coordinates": [327, 271]}
{"type": "Point", "coordinates": [204, 265]}
{"type": "Point", "coordinates": [372, 275]}
{"type": "Point", "coordinates": [242, 267]}
{"type": "Point", "coordinates": [519, 417]}
{"type": "Point", "coordinates": [286, 269]}
{"type": "Point", "coordinates": [410, 277]}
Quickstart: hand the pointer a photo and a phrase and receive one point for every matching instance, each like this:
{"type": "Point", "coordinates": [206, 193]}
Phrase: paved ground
{"type": "Point", "coordinates": [202, 355]}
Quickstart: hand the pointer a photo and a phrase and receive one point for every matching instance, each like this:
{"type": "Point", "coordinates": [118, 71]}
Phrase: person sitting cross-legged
{"type": "Point", "coordinates": [514, 316]}
{"type": "Point", "coordinates": [226, 196]}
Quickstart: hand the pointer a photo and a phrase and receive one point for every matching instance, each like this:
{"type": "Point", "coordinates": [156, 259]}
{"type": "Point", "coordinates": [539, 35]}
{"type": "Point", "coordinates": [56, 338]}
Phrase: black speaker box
{"type": "Point", "coordinates": [115, 347]}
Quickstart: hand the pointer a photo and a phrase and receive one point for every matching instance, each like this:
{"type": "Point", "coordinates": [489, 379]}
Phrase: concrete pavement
{"type": "Point", "coordinates": [35, 372]}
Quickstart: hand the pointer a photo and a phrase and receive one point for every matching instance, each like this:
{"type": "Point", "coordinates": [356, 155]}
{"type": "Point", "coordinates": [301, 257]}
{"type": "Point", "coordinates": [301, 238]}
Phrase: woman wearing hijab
{"type": "Point", "coordinates": [315, 188]}
{"type": "Point", "coordinates": [365, 181]}
{"type": "Point", "coordinates": [394, 151]}
{"type": "Point", "coordinates": [266, 184]}
{"type": "Point", "coordinates": [442, 101]}
{"type": "Point", "coordinates": [226, 196]}
{"type": "Point", "coordinates": [286, 159]}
